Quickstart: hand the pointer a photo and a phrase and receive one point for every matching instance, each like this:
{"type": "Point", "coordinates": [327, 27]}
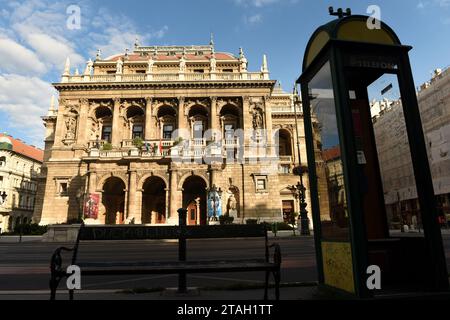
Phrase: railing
{"type": "Point", "coordinates": [285, 158]}
{"type": "Point", "coordinates": [100, 78]}
{"type": "Point", "coordinates": [133, 77]}
{"type": "Point", "coordinates": [113, 154]}
{"type": "Point", "coordinates": [196, 76]}
{"type": "Point", "coordinates": [155, 77]}
{"type": "Point", "coordinates": [165, 77]}
{"type": "Point", "coordinates": [96, 144]}
{"type": "Point", "coordinates": [228, 76]}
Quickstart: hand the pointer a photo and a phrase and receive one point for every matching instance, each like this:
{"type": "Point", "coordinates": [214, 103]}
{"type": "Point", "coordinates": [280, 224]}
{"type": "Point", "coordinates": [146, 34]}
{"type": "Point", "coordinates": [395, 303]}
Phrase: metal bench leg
{"type": "Point", "coordinates": [266, 289]}
{"type": "Point", "coordinates": [54, 282]}
{"type": "Point", "coordinates": [276, 275]}
{"type": "Point", "coordinates": [71, 292]}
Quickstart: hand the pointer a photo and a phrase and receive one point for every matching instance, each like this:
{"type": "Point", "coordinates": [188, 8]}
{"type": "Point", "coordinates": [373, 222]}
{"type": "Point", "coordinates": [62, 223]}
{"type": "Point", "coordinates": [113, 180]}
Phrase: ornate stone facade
{"type": "Point", "coordinates": [148, 132]}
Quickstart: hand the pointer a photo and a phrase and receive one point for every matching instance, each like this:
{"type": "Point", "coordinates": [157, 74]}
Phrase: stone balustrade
{"type": "Point", "coordinates": [162, 77]}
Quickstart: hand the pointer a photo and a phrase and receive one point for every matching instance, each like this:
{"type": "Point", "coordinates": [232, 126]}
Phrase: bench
{"type": "Point", "coordinates": [182, 266]}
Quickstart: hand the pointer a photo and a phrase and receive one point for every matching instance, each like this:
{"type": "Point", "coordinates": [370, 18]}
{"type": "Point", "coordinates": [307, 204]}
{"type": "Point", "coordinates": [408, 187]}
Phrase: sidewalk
{"type": "Point", "coordinates": [16, 239]}
{"type": "Point", "coordinates": [288, 293]}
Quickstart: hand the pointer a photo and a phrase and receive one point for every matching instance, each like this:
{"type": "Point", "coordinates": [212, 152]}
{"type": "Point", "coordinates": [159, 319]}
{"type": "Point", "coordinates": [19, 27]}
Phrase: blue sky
{"type": "Point", "coordinates": [34, 39]}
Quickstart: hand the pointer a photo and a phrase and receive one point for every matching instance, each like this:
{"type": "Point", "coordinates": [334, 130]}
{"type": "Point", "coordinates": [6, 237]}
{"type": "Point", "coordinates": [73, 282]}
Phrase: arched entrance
{"type": "Point", "coordinates": [114, 201]}
{"type": "Point", "coordinates": [154, 201]}
{"type": "Point", "coordinates": [194, 200]}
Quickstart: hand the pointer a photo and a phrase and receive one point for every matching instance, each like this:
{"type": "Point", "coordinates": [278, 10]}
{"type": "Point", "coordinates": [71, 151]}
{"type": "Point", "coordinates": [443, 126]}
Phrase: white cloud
{"type": "Point", "coordinates": [253, 19]}
{"type": "Point", "coordinates": [256, 3]}
{"type": "Point", "coordinates": [23, 100]}
{"type": "Point", "coordinates": [52, 50]}
{"type": "Point", "coordinates": [35, 41]}
{"type": "Point", "coordinates": [15, 58]}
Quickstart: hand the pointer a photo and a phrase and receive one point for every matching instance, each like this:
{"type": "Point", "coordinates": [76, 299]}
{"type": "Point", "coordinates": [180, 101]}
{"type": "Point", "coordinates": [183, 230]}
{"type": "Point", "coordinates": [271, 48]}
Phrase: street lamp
{"type": "Point", "coordinates": [215, 191]}
{"type": "Point", "coordinates": [304, 220]}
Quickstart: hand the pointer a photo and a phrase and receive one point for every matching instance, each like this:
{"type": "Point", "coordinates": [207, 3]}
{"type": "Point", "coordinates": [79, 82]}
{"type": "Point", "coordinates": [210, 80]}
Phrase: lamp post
{"type": "Point", "coordinates": [304, 220]}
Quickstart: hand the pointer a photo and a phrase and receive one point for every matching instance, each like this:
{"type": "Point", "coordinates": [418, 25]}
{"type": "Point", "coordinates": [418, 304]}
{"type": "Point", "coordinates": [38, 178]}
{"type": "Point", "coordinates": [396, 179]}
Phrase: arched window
{"type": "Point", "coordinates": [2, 161]}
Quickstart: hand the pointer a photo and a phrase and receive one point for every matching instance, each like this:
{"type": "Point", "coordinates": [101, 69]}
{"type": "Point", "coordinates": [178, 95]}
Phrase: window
{"type": "Point", "coordinates": [198, 130]}
{"type": "Point", "coordinates": [137, 131]}
{"type": "Point", "coordinates": [63, 188]}
{"type": "Point", "coordinates": [140, 71]}
{"type": "Point", "coordinates": [284, 169]}
{"type": "Point", "coordinates": [167, 131]}
{"type": "Point", "coordinates": [1, 182]}
{"type": "Point", "coordinates": [260, 183]}
{"type": "Point", "coordinates": [227, 70]}
{"type": "Point", "coordinates": [229, 131]}
{"type": "Point", "coordinates": [199, 71]}
{"type": "Point", "coordinates": [111, 72]}
{"type": "Point", "coordinates": [106, 133]}
{"type": "Point", "coordinates": [193, 217]}
{"type": "Point", "coordinates": [2, 161]}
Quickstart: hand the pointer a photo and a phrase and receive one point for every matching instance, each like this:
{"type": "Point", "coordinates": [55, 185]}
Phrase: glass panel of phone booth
{"type": "Point", "coordinates": [388, 185]}
{"type": "Point", "coordinates": [333, 200]}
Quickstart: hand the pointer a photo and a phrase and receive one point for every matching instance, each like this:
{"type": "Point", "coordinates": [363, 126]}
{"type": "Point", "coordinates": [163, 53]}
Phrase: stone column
{"type": "Point", "coordinates": [182, 123]}
{"type": "Point", "coordinates": [246, 122]}
{"type": "Point", "coordinates": [116, 129]}
{"type": "Point", "coordinates": [168, 215]}
{"type": "Point", "coordinates": [138, 207]}
{"type": "Point", "coordinates": [83, 127]}
{"type": "Point", "coordinates": [215, 124]}
{"type": "Point", "coordinates": [132, 180]}
{"type": "Point", "coordinates": [59, 131]}
{"type": "Point", "coordinates": [149, 122]}
{"type": "Point", "coordinates": [174, 201]}
{"type": "Point", "coordinates": [268, 118]}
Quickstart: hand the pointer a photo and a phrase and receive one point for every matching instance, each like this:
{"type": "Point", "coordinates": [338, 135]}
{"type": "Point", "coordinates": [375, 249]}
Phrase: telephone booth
{"type": "Point", "coordinates": [368, 167]}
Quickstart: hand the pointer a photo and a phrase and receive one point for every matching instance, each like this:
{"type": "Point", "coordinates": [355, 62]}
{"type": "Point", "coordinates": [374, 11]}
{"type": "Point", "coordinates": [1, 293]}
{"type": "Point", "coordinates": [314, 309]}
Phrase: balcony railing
{"type": "Point", "coordinates": [285, 158]}
{"type": "Point", "coordinates": [155, 77]}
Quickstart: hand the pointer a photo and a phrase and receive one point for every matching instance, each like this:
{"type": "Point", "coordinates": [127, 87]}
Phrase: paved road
{"type": "Point", "coordinates": [26, 266]}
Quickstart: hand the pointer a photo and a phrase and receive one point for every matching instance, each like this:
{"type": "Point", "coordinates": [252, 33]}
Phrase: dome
{"type": "Point", "coordinates": [351, 28]}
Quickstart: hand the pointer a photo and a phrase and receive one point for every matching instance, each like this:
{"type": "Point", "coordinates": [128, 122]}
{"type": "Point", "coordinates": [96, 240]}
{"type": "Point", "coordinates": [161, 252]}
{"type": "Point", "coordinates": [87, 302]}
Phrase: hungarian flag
{"type": "Point", "coordinates": [160, 147]}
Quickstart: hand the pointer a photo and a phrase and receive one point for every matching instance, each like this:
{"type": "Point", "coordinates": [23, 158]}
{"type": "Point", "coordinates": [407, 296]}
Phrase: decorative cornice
{"type": "Point", "coordinates": [165, 85]}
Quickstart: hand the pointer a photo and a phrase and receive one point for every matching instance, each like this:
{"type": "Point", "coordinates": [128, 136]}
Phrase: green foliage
{"type": "Point", "coordinates": [138, 142]}
{"type": "Point", "coordinates": [177, 141]}
{"type": "Point", "coordinates": [107, 146]}
{"type": "Point", "coordinates": [30, 229]}
{"type": "Point", "coordinates": [226, 220]}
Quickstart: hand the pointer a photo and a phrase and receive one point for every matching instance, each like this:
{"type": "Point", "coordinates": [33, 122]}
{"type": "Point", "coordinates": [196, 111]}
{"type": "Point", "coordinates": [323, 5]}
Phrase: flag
{"type": "Point", "coordinates": [160, 147]}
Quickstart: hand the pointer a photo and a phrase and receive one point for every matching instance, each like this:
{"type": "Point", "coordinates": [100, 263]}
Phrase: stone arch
{"type": "Point", "coordinates": [103, 178]}
{"type": "Point", "coordinates": [184, 177]}
{"type": "Point", "coordinates": [163, 110]}
{"type": "Point", "coordinates": [194, 199]}
{"type": "Point", "coordinates": [113, 200]}
{"type": "Point", "coordinates": [284, 139]}
{"type": "Point", "coordinates": [154, 202]}
{"type": "Point", "coordinates": [144, 178]}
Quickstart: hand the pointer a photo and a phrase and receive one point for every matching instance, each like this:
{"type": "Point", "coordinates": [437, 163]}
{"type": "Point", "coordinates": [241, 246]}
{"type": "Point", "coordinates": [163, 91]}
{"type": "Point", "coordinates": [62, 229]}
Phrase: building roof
{"type": "Point", "coordinates": [20, 147]}
{"type": "Point", "coordinates": [331, 154]}
{"type": "Point", "coordinates": [164, 57]}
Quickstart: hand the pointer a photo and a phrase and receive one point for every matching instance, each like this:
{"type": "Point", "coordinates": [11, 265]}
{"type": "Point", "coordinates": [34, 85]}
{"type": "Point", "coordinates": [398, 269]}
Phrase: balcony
{"type": "Point", "coordinates": [285, 159]}
{"type": "Point", "coordinates": [163, 77]}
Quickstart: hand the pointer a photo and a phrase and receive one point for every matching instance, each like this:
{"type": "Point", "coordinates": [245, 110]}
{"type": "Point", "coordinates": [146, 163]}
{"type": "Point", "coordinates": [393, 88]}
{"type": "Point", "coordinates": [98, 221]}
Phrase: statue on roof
{"type": "Point", "coordinates": [119, 67]}
{"type": "Point", "coordinates": [243, 60]}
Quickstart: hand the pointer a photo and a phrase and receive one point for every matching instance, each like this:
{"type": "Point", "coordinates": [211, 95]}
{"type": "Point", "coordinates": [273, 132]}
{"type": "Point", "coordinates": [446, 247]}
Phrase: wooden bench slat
{"type": "Point", "coordinates": [106, 233]}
